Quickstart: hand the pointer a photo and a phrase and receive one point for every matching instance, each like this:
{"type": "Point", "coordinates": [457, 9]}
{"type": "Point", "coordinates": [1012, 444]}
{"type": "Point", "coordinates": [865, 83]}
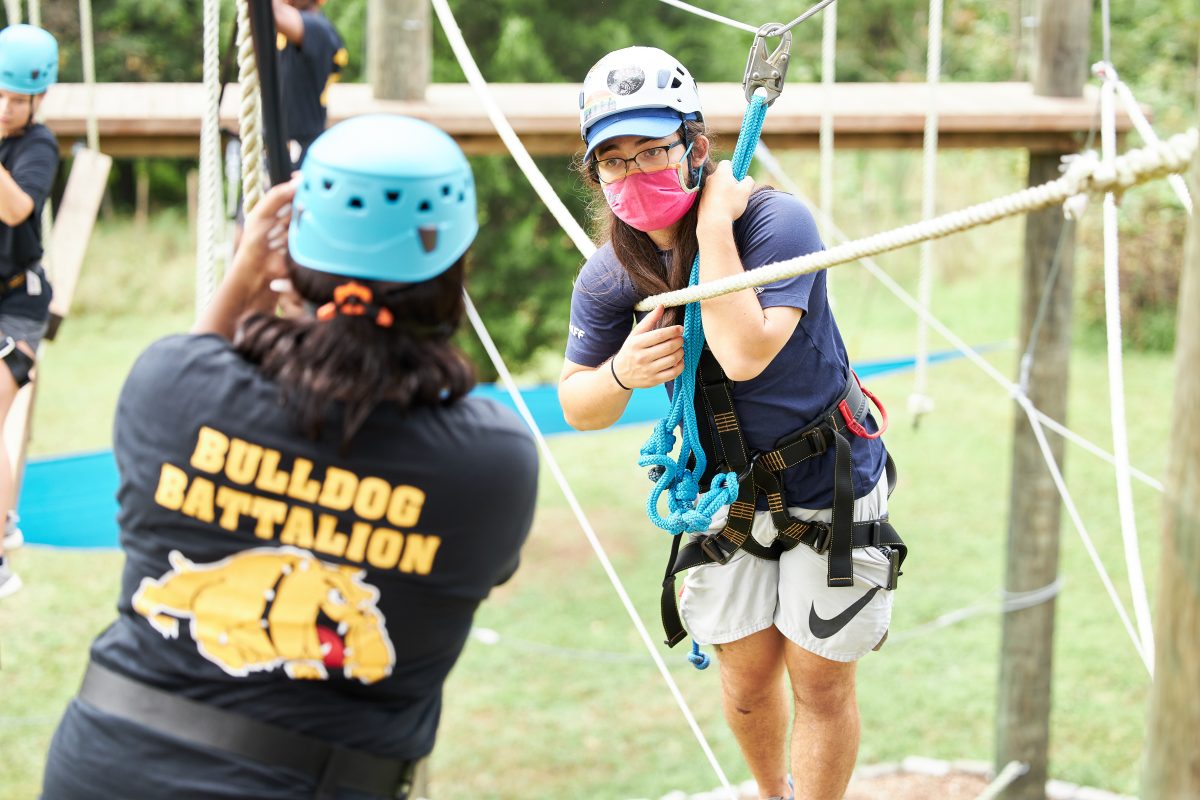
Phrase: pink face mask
{"type": "Point", "coordinates": [650, 202]}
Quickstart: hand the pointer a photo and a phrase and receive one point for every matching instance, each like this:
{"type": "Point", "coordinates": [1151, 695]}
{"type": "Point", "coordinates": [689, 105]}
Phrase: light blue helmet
{"type": "Point", "coordinates": [383, 197]}
{"type": "Point", "coordinates": [28, 59]}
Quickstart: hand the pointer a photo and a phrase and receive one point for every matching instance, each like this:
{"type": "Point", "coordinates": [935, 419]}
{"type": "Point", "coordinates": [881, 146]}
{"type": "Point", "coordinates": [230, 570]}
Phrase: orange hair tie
{"type": "Point", "coordinates": [355, 300]}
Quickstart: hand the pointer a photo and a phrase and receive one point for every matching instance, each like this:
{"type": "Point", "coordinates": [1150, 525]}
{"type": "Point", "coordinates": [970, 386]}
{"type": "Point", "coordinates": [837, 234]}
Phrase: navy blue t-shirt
{"type": "Point", "coordinates": [324, 590]}
{"type": "Point", "coordinates": [305, 74]}
{"type": "Point", "coordinates": [32, 160]}
{"type": "Point", "coordinates": [807, 376]}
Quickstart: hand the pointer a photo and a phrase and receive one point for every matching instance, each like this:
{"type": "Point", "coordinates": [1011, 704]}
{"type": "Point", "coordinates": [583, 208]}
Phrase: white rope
{"type": "Point", "coordinates": [548, 457]}
{"type": "Point", "coordinates": [919, 402]}
{"type": "Point", "coordinates": [1009, 603]}
{"type": "Point", "coordinates": [700, 12]}
{"type": "Point", "coordinates": [35, 12]}
{"type": "Point", "coordinates": [249, 112]}
{"type": "Point", "coordinates": [1085, 175]}
{"type": "Point", "coordinates": [89, 72]}
{"type": "Point", "coordinates": [210, 161]}
{"type": "Point", "coordinates": [509, 136]}
{"type": "Point", "coordinates": [828, 78]}
{"type": "Point", "coordinates": [1116, 382]}
{"type": "Point", "coordinates": [12, 8]}
{"type": "Point", "coordinates": [1012, 770]}
{"type": "Point", "coordinates": [1142, 125]}
{"type": "Point", "coordinates": [1073, 512]}
{"type": "Point", "coordinates": [579, 237]}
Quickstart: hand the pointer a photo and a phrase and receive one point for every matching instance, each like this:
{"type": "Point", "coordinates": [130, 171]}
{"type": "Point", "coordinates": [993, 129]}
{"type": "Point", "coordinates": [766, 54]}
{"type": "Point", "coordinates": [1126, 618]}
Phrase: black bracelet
{"type": "Point", "coordinates": [612, 367]}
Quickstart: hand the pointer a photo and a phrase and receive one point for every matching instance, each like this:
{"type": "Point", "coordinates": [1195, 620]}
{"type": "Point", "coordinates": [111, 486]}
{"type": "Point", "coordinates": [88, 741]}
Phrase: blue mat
{"type": "Point", "coordinates": [71, 501]}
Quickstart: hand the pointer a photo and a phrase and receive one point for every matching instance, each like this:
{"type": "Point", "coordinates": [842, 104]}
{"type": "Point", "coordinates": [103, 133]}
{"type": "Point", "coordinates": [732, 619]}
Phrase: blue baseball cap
{"type": "Point", "coordinates": [653, 123]}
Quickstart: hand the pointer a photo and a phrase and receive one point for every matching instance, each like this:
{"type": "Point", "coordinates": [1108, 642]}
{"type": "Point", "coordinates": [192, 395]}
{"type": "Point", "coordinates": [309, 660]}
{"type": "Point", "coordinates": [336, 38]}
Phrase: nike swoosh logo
{"type": "Point", "coordinates": [824, 628]}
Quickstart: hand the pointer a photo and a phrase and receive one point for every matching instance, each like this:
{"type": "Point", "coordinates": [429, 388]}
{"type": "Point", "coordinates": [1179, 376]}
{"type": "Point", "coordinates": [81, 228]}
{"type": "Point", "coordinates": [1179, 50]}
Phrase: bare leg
{"type": "Point", "coordinates": [826, 729]}
{"type": "Point", "coordinates": [756, 706]}
{"type": "Point", "coordinates": [8, 393]}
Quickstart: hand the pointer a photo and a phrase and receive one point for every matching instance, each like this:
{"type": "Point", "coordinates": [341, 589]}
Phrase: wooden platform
{"type": "Point", "coordinates": [163, 119]}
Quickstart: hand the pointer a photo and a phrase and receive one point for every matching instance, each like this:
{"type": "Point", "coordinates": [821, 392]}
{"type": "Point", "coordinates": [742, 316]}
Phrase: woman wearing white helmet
{"type": "Point", "coordinates": [28, 164]}
{"type": "Point", "coordinates": [312, 508]}
{"type": "Point", "coordinates": [777, 374]}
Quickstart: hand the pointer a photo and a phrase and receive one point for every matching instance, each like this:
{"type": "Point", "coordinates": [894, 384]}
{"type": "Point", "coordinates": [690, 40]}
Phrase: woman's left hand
{"type": "Point", "coordinates": [724, 197]}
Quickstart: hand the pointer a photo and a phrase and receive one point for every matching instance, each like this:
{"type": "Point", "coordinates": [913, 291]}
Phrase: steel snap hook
{"type": "Point", "coordinates": [764, 69]}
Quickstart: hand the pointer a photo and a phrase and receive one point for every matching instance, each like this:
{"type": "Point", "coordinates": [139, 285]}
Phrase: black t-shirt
{"type": "Point", "coordinates": [32, 160]}
{"type": "Point", "coordinates": [305, 73]}
{"type": "Point", "coordinates": [267, 573]}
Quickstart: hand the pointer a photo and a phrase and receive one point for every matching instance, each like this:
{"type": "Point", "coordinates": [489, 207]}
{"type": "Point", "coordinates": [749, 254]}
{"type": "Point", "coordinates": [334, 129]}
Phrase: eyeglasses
{"type": "Point", "coordinates": [652, 159]}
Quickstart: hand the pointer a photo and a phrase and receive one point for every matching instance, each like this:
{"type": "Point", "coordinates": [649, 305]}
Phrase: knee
{"type": "Point", "coordinates": [824, 696]}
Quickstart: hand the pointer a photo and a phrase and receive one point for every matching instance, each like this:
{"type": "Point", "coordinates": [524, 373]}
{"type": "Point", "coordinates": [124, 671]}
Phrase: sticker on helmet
{"type": "Point", "coordinates": [626, 80]}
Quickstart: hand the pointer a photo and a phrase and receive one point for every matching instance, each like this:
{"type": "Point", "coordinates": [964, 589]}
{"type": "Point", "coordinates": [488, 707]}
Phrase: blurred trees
{"type": "Point", "coordinates": [523, 263]}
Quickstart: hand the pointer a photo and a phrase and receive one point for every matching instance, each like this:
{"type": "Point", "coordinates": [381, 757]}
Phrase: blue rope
{"type": "Point", "coordinates": [688, 509]}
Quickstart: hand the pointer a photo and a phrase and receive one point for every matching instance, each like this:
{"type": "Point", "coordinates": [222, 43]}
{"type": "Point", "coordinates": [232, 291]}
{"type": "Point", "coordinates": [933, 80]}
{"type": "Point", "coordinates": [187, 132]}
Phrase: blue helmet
{"type": "Point", "coordinates": [383, 197]}
{"type": "Point", "coordinates": [28, 59]}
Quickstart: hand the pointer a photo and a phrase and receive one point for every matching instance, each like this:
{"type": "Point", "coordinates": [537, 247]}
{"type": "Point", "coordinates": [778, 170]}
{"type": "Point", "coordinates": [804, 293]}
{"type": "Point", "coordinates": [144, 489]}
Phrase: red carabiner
{"type": "Point", "coordinates": [854, 425]}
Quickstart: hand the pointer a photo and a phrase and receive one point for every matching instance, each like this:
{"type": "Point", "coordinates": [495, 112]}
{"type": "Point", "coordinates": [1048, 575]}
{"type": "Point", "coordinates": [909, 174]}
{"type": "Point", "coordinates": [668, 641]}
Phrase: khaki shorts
{"type": "Point", "coordinates": [723, 603]}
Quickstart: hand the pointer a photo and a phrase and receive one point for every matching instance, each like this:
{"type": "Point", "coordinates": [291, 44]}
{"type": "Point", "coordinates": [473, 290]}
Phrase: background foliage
{"type": "Point", "coordinates": [523, 261]}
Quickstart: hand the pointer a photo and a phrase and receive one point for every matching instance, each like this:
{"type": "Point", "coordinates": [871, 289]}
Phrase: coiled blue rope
{"type": "Point", "coordinates": [688, 510]}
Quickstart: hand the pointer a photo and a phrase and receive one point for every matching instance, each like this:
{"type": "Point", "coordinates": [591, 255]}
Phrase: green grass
{"type": "Point", "coordinates": [538, 714]}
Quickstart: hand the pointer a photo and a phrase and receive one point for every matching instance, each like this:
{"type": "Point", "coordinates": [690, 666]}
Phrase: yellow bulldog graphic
{"type": "Point", "coordinates": [273, 607]}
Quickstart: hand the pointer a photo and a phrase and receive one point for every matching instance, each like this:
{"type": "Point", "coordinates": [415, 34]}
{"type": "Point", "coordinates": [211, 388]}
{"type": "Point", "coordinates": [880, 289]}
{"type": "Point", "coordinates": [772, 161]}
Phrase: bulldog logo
{"type": "Point", "coordinates": [268, 608]}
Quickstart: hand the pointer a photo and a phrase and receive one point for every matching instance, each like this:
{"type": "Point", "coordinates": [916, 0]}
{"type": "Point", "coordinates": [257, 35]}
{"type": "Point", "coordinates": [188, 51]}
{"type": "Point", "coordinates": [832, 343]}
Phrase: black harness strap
{"type": "Point", "coordinates": [759, 473]}
{"type": "Point", "coordinates": [209, 726]}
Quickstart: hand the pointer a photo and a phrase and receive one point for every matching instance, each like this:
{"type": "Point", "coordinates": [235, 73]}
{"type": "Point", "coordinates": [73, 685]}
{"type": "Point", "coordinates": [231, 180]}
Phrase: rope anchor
{"type": "Point", "coordinates": [767, 71]}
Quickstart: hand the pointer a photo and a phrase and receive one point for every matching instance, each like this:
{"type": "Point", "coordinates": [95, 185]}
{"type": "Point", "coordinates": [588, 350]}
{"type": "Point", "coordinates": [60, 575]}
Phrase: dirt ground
{"type": "Point", "coordinates": [907, 786]}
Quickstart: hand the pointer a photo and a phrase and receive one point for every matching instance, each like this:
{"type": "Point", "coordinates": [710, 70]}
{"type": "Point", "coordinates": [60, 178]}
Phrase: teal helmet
{"type": "Point", "coordinates": [383, 197]}
{"type": "Point", "coordinates": [28, 59]}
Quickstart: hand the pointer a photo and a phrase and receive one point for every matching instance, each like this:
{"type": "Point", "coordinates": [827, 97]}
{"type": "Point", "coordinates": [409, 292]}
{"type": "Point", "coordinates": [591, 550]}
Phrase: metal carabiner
{"type": "Point", "coordinates": [767, 71]}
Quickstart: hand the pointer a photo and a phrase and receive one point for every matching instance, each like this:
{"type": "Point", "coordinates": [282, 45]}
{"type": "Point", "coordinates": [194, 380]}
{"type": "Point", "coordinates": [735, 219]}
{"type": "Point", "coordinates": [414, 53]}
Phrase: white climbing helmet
{"type": "Point", "coordinates": [636, 91]}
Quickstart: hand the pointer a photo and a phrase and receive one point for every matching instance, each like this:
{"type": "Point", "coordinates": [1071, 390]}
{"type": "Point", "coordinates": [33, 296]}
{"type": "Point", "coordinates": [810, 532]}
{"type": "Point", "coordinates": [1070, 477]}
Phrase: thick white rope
{"type": "Point", "coordinates": [1037, 417]}
{"type": "Point", "coordinates": [586, 247]}
{"type": "Point", "coordinates": [919, 401]}
{"type": "Point", "coordinates": [509, 136]}
{"type": "Point", "coordinates": [1085, 175]}
{"type": "Point", "coordinates": [249, 112]}
{"type": "Point", "coordinates": [828, 80]}
{"type": "Point", "coordinates": [590, 533]}
{"type": "Point", "coordinates": [1007, 776]}
{"type": "Point", "coordinates": [210, 161]}
{"type": "Point", "coordinates": [12, 8]}
{"type": "Point", "coordinates": [89, 72]}
{"type": "Point", "coordinates": [1116, 382]}
{"type": "Point", "coordinates": [35, 12]}
{"type": "Point", "coordinates": [700, 12]}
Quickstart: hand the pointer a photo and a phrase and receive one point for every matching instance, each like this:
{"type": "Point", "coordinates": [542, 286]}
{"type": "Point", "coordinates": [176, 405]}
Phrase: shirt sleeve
{"type": "Point", "coordinates": [777, 227]}
{"type": "Point", "coordinates": [601, 310]}
{"type": "Point", "coordinates": [34, 167]}
{"type": "Point", "coordinates": [320, 41]}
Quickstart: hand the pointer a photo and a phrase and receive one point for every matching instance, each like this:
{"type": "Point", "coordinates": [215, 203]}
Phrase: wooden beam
{"type": "Point", "coordinates": [1172, 765]}
{"type": "Point", "coordinates": [1035, 508]}
{"type": "Point", "coordinates": [154, 119]}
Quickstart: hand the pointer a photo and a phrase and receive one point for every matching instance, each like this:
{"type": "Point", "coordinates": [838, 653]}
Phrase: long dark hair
{"type": "Point", "coordinates": [635, 250]}
{"type": "Point", "coordinates": [355, 362]}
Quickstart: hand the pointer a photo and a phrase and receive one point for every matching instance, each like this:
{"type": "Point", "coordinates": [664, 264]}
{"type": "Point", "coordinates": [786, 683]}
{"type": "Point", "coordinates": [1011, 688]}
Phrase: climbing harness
{"type": "Point", "coordinates": [761, 473]}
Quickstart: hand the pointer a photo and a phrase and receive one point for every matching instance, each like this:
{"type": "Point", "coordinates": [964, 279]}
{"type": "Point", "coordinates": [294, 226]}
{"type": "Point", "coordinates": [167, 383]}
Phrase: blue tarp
{"type": "Point", "coordinates": [71, 501]}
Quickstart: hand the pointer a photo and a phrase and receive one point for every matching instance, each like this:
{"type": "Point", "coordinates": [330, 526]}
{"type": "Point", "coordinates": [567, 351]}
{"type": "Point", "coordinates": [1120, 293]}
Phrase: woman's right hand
{"type": "Point", "coordinates": [651, 355]}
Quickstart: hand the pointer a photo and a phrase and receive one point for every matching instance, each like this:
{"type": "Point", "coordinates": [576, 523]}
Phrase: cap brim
{"type": "Point", "coordinates": [655, 127]}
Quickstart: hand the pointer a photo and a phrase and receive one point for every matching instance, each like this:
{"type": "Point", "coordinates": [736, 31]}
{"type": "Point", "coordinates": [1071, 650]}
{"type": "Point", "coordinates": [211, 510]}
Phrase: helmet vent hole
{"type": "Point", "coordinates": [355, 202]}
{"type": "Point", "coordinates": [445, 190]}
{"type": "Point", "coordinates": [462, 196]}
{"type": "Point", "coordinates": [392, 195]}
{"type": "Point", "coordinates": [676, 83]}
{"type": "Point", "coordinates": [328, 184]}
{"type": "Point", "coordinates": [425, 206]}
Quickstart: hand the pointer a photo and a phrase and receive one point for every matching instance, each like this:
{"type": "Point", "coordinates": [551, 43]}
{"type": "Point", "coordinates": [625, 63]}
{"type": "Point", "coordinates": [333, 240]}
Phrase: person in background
{"type": "Point", "coordinates": [28, 164]}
